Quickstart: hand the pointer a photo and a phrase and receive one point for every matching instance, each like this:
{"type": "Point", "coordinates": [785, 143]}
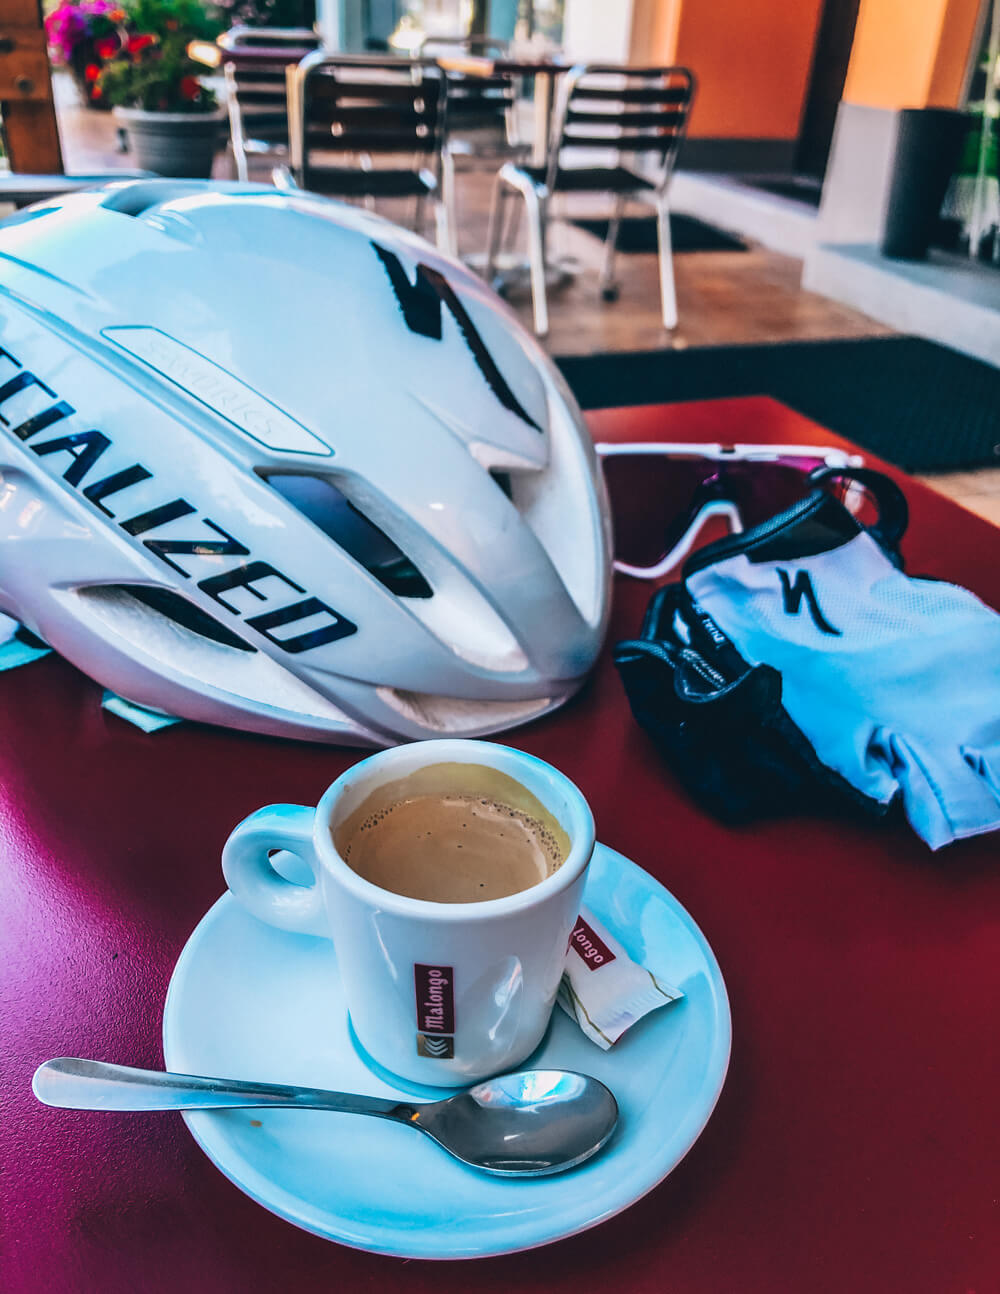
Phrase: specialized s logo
{"type": "Point", "coordinates": [421, 303]}
{"type": "Point", "coordinates": [86, 448]}
{"type": "Point", "coordinates": [793, 594]}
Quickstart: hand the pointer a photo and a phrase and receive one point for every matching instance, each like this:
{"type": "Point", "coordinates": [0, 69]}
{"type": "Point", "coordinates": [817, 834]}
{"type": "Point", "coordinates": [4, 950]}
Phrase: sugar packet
{"type": "Point", "coordinates": [602, 989]}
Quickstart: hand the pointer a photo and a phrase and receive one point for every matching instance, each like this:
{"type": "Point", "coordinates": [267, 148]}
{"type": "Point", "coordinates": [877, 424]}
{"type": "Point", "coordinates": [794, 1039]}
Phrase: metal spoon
{"type": "Point", "coordinates": [525, 1124]}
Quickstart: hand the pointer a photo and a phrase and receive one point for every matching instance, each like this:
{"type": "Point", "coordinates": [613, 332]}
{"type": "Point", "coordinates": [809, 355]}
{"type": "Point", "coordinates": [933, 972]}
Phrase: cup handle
{"type": "Point", "coordinates": [255, 884]}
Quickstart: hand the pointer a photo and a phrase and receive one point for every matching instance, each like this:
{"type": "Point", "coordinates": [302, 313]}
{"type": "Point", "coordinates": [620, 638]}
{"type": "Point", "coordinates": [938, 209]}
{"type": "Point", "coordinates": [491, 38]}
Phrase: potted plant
{"type": "Point", "coordinates": [81, 34]}
{"type": "Point", "coordinates": [170, 118]}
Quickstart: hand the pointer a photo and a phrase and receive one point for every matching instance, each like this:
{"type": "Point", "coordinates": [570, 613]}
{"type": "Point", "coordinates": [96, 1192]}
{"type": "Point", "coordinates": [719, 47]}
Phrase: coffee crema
{"type": "Point", "coordinates": [454, 833]}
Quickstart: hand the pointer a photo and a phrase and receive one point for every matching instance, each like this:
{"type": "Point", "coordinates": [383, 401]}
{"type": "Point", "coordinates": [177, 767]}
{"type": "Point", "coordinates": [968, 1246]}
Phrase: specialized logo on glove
{"type": "Point", "coordinates": [792, 595]}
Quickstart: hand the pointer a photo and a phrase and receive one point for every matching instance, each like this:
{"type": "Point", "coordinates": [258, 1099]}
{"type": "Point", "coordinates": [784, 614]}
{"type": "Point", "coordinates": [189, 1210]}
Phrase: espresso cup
{"type": "Point", "coordinates": [441, 993]}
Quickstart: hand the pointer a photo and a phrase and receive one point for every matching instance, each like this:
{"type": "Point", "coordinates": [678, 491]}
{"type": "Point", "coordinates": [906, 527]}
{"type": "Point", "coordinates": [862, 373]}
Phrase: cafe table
{"type": "Point", "coordinates": [512, 269]}
{"type": "Point", "coordinates": [543, 71]}
{"type": "Point", "coordinates": [855, 1145]}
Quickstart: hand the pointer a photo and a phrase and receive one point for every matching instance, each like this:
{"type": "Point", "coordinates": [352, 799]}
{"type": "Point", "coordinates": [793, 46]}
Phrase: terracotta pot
{"type": "Point", "coordinates": [172, 143]}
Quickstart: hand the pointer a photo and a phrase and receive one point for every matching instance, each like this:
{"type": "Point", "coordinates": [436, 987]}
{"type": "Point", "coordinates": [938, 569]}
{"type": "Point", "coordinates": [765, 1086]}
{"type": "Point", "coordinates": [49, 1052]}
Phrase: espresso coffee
{"type": "Point", "coordinates": [455, 834]}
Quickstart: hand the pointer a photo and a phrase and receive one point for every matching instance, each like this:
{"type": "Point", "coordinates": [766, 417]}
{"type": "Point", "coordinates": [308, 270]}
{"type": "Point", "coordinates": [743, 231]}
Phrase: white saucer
{"type": "Point", "coordinates": [249, 1001]}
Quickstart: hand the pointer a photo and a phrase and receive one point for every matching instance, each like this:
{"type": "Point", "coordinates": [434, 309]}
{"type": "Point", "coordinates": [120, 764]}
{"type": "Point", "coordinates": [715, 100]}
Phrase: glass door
{"type": "Point", "coordinates": [979, 171]}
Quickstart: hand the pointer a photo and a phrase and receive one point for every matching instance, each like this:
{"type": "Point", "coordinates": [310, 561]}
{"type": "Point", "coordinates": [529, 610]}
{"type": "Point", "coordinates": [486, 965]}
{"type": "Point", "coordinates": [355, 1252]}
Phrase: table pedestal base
{"type": "Point", "coordinates": [512, 273]}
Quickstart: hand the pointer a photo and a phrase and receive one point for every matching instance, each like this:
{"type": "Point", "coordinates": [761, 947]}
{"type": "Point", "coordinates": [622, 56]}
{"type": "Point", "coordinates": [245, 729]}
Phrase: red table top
{"type": "Point", "coordinates": [856, 1144]}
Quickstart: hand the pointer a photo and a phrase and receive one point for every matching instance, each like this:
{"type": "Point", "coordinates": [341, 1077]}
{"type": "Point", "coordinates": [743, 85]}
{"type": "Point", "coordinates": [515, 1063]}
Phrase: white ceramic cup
{"type": "Point", "coordinates": [439, 993]}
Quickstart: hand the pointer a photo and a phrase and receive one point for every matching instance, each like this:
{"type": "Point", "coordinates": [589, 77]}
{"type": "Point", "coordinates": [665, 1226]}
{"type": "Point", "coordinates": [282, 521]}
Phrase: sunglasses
{"type": "Point", "coordinates": [664, 495]}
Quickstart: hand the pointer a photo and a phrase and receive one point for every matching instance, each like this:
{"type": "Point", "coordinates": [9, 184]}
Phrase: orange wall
{"type": "Point", "coordinates": [751, 57]}
{"type": "Point", "coordinates": [911, 53]}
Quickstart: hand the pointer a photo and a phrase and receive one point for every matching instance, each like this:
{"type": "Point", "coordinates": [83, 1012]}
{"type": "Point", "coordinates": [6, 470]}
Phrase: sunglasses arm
{"type": "Point", "coordinates": [717, 508]}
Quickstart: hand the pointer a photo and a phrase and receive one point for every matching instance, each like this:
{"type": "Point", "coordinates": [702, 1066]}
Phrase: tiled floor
{"type": "Point", "coordinates": [723, 297]}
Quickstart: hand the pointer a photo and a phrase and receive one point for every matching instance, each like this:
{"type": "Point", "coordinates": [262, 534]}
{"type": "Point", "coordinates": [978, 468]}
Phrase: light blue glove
{"type": "Point", "coordinates": [895, 681]}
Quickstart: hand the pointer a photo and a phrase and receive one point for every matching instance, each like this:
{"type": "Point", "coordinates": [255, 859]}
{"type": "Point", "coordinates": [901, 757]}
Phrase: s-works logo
{"type": "Point", "coordinates": [76, 456]}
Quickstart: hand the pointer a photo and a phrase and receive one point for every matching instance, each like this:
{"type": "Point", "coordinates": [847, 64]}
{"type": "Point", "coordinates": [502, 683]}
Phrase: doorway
{"type": "Point", "coordinates": [831, 55]}
{"type": "Point", "coordinates": [828, 72]}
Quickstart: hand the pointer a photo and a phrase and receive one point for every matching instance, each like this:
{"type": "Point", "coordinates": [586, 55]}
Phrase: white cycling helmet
{"type": "Point", "coordinates": [271, 462]}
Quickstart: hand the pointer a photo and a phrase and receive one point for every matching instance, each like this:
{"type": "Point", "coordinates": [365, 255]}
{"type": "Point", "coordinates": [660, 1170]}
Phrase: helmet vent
{"type": "Point", "coordinates": [457, 716]}
{"type": "Point", "coordinates": [134, 199]}
{"type": "Point", "coordinates": [182, 612]}
{"type": "Point", "coordinates": [503, 480]}
{"type": "Point", "coordinates": [319, 500]}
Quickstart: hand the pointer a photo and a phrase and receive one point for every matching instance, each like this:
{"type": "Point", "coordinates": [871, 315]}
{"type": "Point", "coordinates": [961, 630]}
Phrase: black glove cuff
{"type": "Point", "coordinates": [719, 721]}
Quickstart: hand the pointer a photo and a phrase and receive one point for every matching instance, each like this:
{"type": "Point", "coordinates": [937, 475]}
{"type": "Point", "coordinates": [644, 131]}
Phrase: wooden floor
{"type": "Point", "coordinates": [723, 297]}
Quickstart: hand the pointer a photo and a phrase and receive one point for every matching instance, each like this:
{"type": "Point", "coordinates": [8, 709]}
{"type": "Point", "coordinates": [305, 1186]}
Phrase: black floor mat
{"type": "Point", "coordinates": [919, 405]}
{"type": "Point", "coordinates": [638, 234]}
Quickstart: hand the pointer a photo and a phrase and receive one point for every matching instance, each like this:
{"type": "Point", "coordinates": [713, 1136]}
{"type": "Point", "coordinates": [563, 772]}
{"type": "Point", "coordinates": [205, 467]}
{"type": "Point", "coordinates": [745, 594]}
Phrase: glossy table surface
{"type": "Point", "coordinates": [856, 1143]}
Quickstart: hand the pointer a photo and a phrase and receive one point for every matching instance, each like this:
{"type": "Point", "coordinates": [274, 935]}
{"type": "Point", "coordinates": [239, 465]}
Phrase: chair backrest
{"type": "Point", "coordinates": [269, 37]}
{"type": "Point", "coordinates": [254, 61]}
{"type": "Point", "coordinates": [365, 105]}
{"type": "Point", "coordinates": [487, 46]}
{"type": "Point", "coordinates": [637, 112]}
{"type": "Point", "coordinates": [477, 102]}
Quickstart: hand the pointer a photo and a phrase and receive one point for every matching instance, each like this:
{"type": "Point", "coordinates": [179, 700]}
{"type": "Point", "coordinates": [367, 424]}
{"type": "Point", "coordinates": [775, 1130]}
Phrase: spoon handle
{"type": "Point", "coordinates": [75, 1084]}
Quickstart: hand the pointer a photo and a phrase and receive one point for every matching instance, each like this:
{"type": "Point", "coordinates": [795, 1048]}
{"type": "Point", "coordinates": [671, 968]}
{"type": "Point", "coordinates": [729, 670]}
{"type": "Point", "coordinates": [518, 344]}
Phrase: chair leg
{"type": "Point", "coordinates": [237, 139]}
{"type": "Point", "coordinates": [449, 195]}
{"type": "Point", "coordinates": [283, 179]}
{"type": "Point", "coordinates": [668, 294]}
{"type": "Point", "coordinates": [511, 233]}
{"type": "Point", "coordinates": [444, 228]}
{"type": "Point", "coordinates": [609, 289]}
{"type": "Point", "coordinates": [494, 230]}
{"type": "Point", "coordinates": [536, 259]}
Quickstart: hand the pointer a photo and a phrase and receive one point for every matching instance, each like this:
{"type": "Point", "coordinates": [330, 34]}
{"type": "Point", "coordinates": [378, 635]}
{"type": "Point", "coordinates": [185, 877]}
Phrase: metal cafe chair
{"type": "Point", "coordinates": [366, 108]}
{"type": "Point", "coordinates": [639, 115]}
{"type": "Point", "coordinates": [253, 62]}
{"type": "Point", "coordinates": [481, 113]}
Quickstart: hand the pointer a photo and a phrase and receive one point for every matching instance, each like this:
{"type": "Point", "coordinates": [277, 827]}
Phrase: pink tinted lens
{"type": "Point", "coordinates": [651, 495]}
{"type": "Point", "coordinates": [762, 490]}
{"type": "Point", "coordinates": [655, 499]}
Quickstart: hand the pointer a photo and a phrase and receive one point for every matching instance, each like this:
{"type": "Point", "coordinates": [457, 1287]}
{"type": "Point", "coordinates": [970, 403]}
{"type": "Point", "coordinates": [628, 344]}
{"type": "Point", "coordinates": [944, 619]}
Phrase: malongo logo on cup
{"type": "Point", "coordinates": [435, 992]}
